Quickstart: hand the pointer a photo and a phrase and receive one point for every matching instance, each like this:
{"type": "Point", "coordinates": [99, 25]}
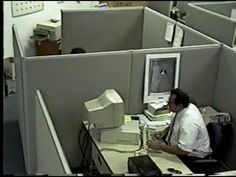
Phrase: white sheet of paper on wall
{"type": "Point", "coordinates": [178, 38]}
{"type": "Point", "coordinates": [233, 14]}
{"type": "Point", "coordinates": [26, 7]}
{"type": "Point", "coordinates": [169, 31]}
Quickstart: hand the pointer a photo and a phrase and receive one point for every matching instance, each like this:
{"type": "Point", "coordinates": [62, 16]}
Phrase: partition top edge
{"type": "Point", "coordinates": [109, 9]}
{"type": "Point", "coordinates": [211, 12]}
{"type": "Point", "coordinates": [212, 3]}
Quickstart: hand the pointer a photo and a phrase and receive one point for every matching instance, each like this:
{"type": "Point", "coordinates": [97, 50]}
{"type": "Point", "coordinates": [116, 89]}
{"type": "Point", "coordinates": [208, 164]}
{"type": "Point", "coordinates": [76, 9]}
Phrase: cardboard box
{"type": "Point", "coordinates": [125, 3]}
{"type": "Point", "coordinates": [9, 68]}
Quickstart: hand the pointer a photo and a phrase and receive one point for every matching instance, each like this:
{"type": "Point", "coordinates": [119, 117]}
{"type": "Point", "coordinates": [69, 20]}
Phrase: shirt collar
{"type": "Point", "coordinates": [181, 113]}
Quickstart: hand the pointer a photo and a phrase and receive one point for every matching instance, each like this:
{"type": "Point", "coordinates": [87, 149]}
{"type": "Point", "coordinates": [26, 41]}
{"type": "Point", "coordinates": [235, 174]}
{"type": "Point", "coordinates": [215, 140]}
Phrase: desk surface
{"type": "Point", "coordinates": [117, 161]}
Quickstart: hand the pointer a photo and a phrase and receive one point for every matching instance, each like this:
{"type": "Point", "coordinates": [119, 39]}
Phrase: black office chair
{"type": "Point", "coordinates": [212, 163]}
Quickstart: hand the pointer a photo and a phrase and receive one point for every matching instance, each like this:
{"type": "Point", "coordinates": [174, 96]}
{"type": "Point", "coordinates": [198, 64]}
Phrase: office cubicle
{"type": "Point", "coordinates": [224, 98]}
{"type": "Point", "coordinates": [102, 30]}
{"type": "Point", "coordinates": [216, 20]}
{"type": "Point", "coordinates": [154, 30]}
{"type": "Point", "coordinates": [67, 81]}
{"type": "Point", "coordinates": [198, 68]}
{"type": "Point", "coordinates": [124, 29]}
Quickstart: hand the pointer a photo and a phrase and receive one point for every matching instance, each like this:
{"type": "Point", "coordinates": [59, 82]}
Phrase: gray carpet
{"type": "Point", "coordinates": [13, 159]}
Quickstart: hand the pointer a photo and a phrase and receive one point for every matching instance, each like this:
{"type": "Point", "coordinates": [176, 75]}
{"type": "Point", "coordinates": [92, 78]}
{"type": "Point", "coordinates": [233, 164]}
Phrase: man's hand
{"type": "Point", "coordinates": [157, 135]}
{"type": "Point", "coordinates": [154, 144]}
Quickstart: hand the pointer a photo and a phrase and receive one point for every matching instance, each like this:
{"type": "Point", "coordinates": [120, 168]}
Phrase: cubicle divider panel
{"type": "Point", "coordinates": [223, 8]}
{"type": "Point", "coordinates": [163, 7]}
{"type": "Point", "coordinates": [225, 96]}
{"type": "Point", "coordinates": [215, 25]}
{"type": "Point", "coordinates": [154, 29]}
{"type": "Point", "coordinates": [67, 81]}
{"type": "Point", "coordinates": [198, 67]}
{"type": "Point", "coordinates": [50, 155]}
{"type": "Point", "coordinates": [192, 37]}
{"type": "Point", "coordinates": [18, 57]}
{"type": "Point", "coordinates": [102, 29]}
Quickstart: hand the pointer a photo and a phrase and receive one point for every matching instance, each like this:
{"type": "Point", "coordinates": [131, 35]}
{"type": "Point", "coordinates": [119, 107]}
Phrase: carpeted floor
{"type": "Point", "coordinates": [13, 159]}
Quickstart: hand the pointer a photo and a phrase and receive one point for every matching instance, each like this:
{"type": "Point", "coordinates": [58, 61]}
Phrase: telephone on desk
{"type": "Point", "coordinates": [209, 114]}
{"type": "Point", "coordinates": [221, 117]}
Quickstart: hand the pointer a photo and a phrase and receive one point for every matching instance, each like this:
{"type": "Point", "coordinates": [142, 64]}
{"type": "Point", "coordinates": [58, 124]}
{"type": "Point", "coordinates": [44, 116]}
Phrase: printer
{"type": "Point", "coordinates": [52, 27]}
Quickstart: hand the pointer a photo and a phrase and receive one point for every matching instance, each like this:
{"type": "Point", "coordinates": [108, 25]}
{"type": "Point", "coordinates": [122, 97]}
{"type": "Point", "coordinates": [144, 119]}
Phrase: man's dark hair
{"type": "Point", "coordinates": [77, 50]}
{"type": "Point", "coordinates": [181, 97]}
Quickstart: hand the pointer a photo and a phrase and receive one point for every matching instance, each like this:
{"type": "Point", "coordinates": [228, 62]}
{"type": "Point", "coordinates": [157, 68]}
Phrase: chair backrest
{"type": "Point", "coordinates": [216, 136]}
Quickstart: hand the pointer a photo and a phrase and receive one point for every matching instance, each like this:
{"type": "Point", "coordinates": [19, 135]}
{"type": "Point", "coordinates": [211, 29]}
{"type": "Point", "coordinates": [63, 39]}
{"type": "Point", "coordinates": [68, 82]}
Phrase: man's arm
{"type": "Point", "coordinates": [156, 145]}
{"type": "Point", "coordinates": [172, 149]}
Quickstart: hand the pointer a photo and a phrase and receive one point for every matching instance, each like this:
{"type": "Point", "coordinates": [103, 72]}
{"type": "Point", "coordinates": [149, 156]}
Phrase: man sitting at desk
{"type": "Point", "coordinates": [187, 135]}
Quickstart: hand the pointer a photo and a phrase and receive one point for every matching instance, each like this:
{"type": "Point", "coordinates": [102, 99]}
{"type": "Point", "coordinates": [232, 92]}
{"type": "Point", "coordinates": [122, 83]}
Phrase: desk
{"type": "Point", "coordinates": [112, 162]}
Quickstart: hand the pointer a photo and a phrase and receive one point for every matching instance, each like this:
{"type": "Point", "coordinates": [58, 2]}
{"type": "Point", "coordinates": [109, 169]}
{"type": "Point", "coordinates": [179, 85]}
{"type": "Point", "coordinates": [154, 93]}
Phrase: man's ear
{"type": "Point", "coordinates": [180, 105]}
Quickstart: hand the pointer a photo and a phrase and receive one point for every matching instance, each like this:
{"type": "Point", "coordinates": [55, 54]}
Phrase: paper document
{"type": "Point", "coordinates": [178, 38]}
{"type": "Point", "coordinates": [233, 14]}
{"type": "Point", "coordinates": [169, 31]}
{"type": "Point", "coordinates": [158, 123]}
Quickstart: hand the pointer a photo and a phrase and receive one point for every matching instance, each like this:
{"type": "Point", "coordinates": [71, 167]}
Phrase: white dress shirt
{"type": "Point", "coordinates": [189, 132]}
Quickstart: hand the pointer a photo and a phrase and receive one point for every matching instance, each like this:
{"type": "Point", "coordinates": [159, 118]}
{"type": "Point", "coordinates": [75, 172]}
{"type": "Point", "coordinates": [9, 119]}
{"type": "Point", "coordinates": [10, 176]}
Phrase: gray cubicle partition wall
{"type": "Point", "coordinates": [223, 8]}
{"type": "Point", "coordinates": [98, 30]}
{"type": "Point", "coordinates": [67, 81]}
{"type": "Point", "coordinates": [194, 37]}
{"type": "Point", "coordinates": [50, 155]}
{"type": "Point", "coordinates": [18, 57]}
{"type": "Point", "coordinates": [154, 29]}
{"type": "Point", "coordinates": [225, 96]}
{"type": "Point", "coordinates": [198, 68]}
{"type": "Point", "coordinates": [183, 5]}
{"type": "Point", "coordinates": [163, 7]}
{"type": "Point", "coordinates": [213, 24]}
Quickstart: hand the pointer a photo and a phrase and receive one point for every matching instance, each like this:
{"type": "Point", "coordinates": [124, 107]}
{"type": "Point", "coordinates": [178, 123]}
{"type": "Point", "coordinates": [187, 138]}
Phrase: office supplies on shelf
{"type": "Point", "coordinates": [53, 27]}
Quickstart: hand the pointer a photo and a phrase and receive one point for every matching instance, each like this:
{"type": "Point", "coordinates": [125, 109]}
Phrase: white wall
{"type": "Point", "coordinates": [25, 24]}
